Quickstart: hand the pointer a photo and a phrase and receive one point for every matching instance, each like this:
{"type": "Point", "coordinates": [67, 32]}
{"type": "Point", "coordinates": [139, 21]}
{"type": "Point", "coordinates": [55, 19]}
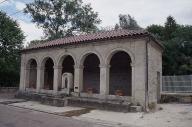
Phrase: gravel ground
{"type": "Point", "coordinates": [18, 117]}
{"type": "Point", "coordinates": [44, 108]}
{"type": "Point", "coordinates": [172, 115]}
{"type": "Point", "coordinates": [7, 95]}
{"type": "Point", "coordinates": [9, 98]}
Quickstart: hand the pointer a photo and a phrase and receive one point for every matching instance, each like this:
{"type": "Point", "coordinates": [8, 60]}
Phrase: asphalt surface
{"type": "Point", "coordinates": [19, 117]}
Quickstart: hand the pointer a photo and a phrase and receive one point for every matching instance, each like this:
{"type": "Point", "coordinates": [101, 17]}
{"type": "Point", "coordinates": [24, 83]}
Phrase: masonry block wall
{"type": "Point", "coordinates": [155, 71]}
{"type": "Point", "coordinates": [104, 50]}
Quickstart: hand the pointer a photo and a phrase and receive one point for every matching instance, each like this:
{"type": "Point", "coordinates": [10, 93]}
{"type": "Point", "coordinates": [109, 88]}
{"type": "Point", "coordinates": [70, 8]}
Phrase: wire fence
{"type": "Point", "coordinates": [177, 84]}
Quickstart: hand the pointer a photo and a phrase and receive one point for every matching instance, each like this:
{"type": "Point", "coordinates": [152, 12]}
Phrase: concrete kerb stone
{"type": "Point", "coordinates": [95, 103]}
{"type": "Point", "coordinates": [53, 100]}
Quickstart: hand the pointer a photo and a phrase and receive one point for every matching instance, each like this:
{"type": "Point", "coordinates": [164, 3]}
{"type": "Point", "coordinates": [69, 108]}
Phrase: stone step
{"type": "Point", "coordinates": [100, 104]}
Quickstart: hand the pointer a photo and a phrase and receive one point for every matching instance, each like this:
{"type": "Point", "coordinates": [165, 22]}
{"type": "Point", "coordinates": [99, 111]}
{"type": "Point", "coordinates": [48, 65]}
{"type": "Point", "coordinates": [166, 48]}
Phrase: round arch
{"type": "Point", "coordinates": [113, 51]}
{"type": "Point", "coordinates": [85, 54]}
{"type": "Point", "coordinates": [28, 61]}
{"type": "Point", "coordinates": [65, 64]}
{"type": "Point", "coordinates": [120, 74]}
{"type": "Point", "coordinates": [91, 73]}
{"type": "Point", "coordinates": [31, 73]}
{"type": "Point", "coordinates": [45, 58]}
{"type": "Point", "coordinates": [47, 62]}
{"type": "Point", "coordinates": [62, 56]}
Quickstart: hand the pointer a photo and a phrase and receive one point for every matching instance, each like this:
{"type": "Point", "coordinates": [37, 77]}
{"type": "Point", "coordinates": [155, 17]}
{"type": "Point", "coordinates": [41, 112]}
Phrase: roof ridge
{"type": "Point", "coordinates": [89, 37]}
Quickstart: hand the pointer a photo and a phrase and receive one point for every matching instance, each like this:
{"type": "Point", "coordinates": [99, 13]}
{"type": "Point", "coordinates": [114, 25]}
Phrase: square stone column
{"type": "Point", "coordinates": [22, 78]}
{"type": "Point", "coordinates": [104, 79]}
{"type": "Point", "coordinates": [22, 74]}
{"type": "Point", "coordinates": [57, 78]}
{"type": "Point", "coordinates": [27, 74]}
{"type": "Point", "coordinates": [40, 78]}
{"type": "Point", "coordinates": [78, 79]}
{"type": "Point", "coordinates": [133, 82]}
{"type": "Point", "coordinates": [25, 78]}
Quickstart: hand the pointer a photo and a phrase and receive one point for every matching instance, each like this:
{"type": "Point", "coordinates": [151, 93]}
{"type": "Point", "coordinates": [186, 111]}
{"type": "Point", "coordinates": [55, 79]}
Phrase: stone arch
{"type": "Point", "coordinates": [65, 63]}
{"type": "Point", "coordinates": [120, 73]}
{"type": "Point", "coordinates": [115, 50]}
{"type": "Point", "coordinates": [47, 64]}
{"type": "Point", "coordinates": [86, 53]}
{"type": "Point", "coordinates": [31, 73]}
{"type": "Point", "coordinates": [44, 59]}
{"type": "Point", "coordinates": [91, 71]}
{"type": "Point", "coordinates": [29, 60]}
{"type": "Point", "coordinates": [62, 56]}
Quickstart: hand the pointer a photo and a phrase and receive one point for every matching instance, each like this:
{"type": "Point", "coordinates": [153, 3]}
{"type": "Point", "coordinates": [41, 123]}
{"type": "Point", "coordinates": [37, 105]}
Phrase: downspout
{"type": "Point", "coordinates": [146, 76]}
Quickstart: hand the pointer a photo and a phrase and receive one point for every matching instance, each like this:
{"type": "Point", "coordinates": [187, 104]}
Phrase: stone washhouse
{"type": "Point", "coordinates": [118, 65]}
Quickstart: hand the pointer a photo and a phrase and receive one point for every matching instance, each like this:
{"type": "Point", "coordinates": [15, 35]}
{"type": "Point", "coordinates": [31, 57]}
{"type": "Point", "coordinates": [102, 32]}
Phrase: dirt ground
{"type": "Point", "coordinates": [7, 95]}
{"type": "Point", "coordinates": [171, 115]}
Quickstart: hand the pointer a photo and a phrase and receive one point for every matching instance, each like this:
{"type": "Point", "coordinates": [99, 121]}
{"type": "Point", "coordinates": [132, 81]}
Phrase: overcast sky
{"type": "Point", "coordinates": [146, 12]}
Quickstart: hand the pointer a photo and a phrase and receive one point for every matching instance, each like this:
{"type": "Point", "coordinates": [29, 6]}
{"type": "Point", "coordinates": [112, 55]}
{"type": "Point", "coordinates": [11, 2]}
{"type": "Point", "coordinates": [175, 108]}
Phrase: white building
{"type": "Point", "coordinates": [124, 64]}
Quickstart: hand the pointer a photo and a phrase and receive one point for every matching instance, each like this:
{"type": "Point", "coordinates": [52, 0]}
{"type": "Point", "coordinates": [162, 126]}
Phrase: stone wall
{"type": "Point", "coordinates": [155, 72]}
{"type": "Point", "coordinates": [104, 50]}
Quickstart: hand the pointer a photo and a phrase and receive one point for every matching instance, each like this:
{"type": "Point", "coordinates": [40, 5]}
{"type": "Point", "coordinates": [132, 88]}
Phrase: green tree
{"type": "Point", "coordinates": [177, 40]}
{"type": "Point", "coordinates": [127, 22]}
{"type": "Point", "coordinates": [35, 42]}
{"type": "Point", "coordinates": [170, 28]}
{"type": "Point", "coordinates": [177, 57]}
{"type": "Point", "coordinates": [60, 18]}
{"type": "Point", "coordinates": [11, 40]}
{"type": "Point", "coordinates": [156, 30]}
{"type": "Point", "coordinates": [183, 39]}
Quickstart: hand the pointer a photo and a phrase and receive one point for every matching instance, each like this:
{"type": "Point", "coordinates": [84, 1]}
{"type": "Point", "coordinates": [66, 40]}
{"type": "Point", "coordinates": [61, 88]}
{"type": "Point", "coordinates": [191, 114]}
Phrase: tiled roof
{"type": "Point", "coordinates": [114, 34]}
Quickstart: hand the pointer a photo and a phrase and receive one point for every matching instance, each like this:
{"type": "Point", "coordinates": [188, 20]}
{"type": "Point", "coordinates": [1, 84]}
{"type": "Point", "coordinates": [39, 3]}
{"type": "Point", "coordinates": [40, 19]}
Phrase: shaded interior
{"type": "Point", "coordinates": [120, 74]}
{"type": "Point", "coordinates": [48, 74]}
{"type": "Point", "coordinates": [32, 74]}
{"type": "Point", "coordinates": [91, 74]}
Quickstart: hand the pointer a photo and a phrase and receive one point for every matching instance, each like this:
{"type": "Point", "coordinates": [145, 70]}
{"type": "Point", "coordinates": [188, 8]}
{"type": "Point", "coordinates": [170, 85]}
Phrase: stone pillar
{"type": "Point", "coordinates": [78, 79]}
{"type": "Point", "coordinates": [27, 74]}
{"type": "Point", "coordinates": [22, 78]}
{"type": "Point", "coordinates": [133, 81]}
{"type": "Point", "coordinates": [22, 74]}
{"type": "Point", "coordinates": [57, 78]}
{"type": "Point", "coordinates": [40, 78]}
{"type": "Point", "coordinates": [104, 79]}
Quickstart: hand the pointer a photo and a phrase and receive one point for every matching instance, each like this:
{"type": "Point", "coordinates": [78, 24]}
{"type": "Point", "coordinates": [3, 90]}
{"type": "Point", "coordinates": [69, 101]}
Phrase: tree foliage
{"type": "Point", "coordinates": [157, 31]}
{"type": "Point", "coordinates": [127, 22]}
{"type": "Point", "coordinates": [170, 28]}
{"type": "Point", "coordinates": [11, 40]}
{"type": "Point", "coordinates": [60, 18]}
{"type": "Point", "coordinates": [177, 39]}
{"type": "Point", "coordinates": [35, 42]}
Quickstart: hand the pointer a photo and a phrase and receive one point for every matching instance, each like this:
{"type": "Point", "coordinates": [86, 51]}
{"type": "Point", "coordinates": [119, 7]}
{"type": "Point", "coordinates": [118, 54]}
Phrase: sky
{"type": "Point", "coordinates": [145, 12]}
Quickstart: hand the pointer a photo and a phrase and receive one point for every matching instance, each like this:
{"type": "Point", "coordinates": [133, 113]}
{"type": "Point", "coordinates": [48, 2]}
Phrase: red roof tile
{"type": "Point", "coordinates": [90, 38]}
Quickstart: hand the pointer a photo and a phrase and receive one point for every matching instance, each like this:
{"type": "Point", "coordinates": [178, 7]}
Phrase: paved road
{"type": "Point", "coordinates": [17, 117]}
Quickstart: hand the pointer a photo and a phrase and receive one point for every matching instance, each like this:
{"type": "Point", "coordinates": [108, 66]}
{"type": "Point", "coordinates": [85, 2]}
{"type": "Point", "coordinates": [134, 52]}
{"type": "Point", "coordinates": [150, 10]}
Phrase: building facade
{"type": "Point", "coordinates": [106, 65]}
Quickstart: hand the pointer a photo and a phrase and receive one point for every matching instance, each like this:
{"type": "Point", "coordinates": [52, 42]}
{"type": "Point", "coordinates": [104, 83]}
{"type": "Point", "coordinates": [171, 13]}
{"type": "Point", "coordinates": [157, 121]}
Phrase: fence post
{"type": "Point", "coordinates": [191, 81]}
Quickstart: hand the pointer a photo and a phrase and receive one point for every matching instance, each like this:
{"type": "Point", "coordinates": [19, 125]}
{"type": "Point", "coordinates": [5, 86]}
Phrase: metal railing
{"type": "Point", "coordinates": [177, 84]}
